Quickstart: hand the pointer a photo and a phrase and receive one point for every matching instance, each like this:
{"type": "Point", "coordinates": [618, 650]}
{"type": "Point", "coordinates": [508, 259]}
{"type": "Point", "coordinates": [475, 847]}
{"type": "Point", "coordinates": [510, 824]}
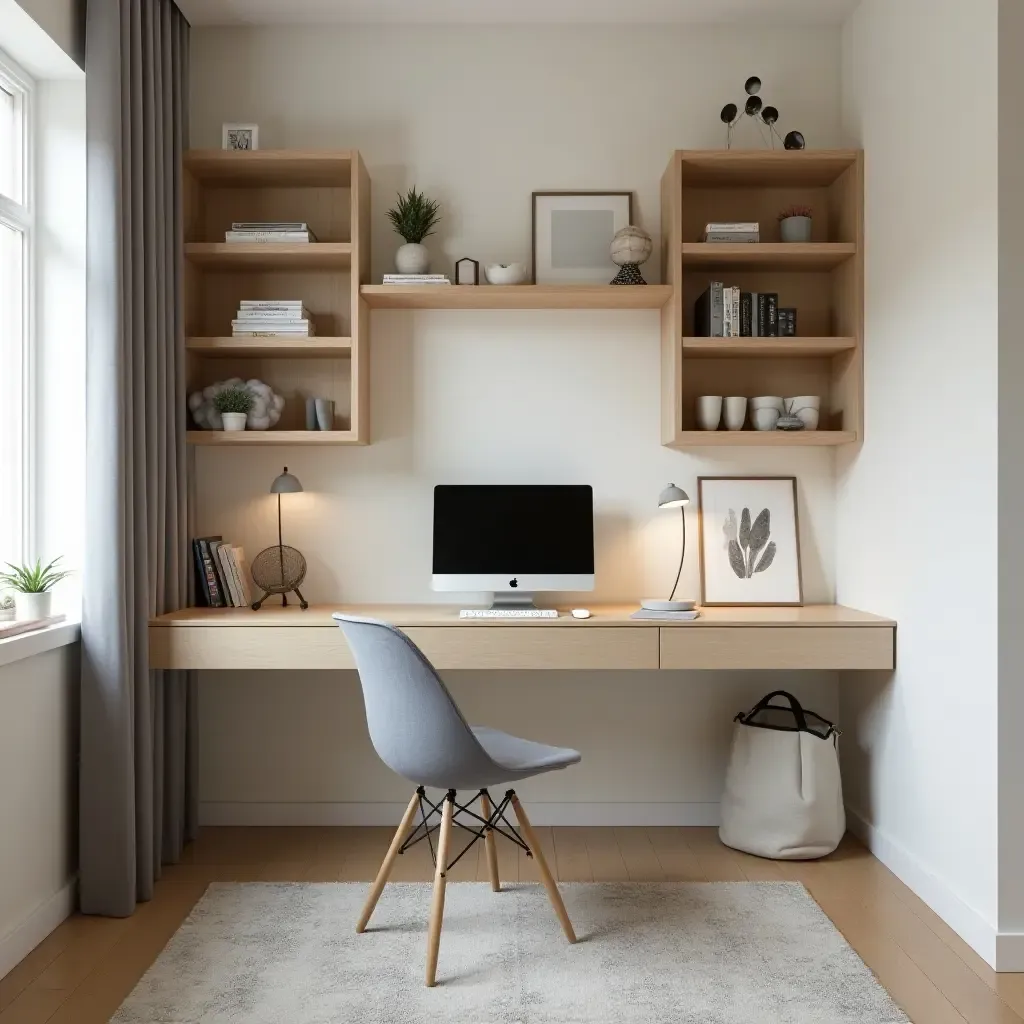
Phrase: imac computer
{"type": "Point", "coordinates": [513, 540]}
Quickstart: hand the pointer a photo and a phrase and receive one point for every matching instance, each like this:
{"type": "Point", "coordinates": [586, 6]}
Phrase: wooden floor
{"type": "Point", "coordinates": [83, 971]}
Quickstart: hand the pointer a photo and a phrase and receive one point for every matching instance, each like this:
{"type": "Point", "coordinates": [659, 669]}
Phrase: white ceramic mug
{"type": "Point", "coordinates": [768, 402]}
{"type": "Point", "coordinates": [735, 413]}
{"type": "Point", "coordinates": [806, 409]}
{"type": "Point", "coordinates": [709, 411]}
{"type": "Point", "coordinates": [765, 419]}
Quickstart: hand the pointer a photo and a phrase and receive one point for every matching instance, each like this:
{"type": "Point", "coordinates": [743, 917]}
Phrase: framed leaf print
{"type": "Point", "coordinates": [749, 541]}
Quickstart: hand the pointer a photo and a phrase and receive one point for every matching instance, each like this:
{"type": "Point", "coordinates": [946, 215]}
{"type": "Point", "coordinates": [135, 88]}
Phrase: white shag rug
{"type": "Point", "coordinates": [700, 953]}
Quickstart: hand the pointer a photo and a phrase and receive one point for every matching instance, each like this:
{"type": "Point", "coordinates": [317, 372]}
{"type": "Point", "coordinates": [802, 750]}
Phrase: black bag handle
{"type": "Point", "coordinates": [794, 704]}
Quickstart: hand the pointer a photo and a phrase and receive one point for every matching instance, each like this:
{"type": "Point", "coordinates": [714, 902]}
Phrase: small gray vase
{"type": "Point", "coordinates": [795, 229]}
{"type": "Point", "coordinates": [325, 413]}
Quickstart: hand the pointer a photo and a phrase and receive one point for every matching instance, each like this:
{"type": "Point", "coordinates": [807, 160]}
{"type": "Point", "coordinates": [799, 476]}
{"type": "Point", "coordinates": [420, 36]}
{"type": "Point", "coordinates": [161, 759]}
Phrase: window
{"type": "Point", "coordinates": [15, 318]}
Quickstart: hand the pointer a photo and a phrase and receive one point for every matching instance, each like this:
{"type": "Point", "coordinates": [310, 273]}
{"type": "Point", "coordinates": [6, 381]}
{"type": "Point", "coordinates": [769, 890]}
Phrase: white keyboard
{"type": "Point", "coordinates": [508, 613]}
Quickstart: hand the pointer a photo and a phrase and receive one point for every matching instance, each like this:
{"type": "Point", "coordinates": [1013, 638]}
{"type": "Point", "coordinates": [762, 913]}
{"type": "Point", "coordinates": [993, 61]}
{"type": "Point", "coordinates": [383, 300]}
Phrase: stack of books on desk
{"type": "Point", "coordinates": [290, 231]}
{"type": "Point", "coordinates": [221, 574]}
{"type": "Point", "coordinates": [732, 231]}
{"type": "Point", "coordinates": [272, 318]}
{"type": "Point", "coordinates": [416, 279]}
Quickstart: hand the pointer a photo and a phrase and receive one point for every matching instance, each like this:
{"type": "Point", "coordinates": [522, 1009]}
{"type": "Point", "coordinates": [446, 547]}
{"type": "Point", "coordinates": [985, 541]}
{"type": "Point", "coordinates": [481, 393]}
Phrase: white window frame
{"type": "Point", "coordinates": [21, 217]}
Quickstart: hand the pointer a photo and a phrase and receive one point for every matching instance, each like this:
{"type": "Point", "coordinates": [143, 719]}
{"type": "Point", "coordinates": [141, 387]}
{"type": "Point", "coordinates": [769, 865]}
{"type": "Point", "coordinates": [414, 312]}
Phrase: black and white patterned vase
{"type": "Point", "coordinates": [629, 273]}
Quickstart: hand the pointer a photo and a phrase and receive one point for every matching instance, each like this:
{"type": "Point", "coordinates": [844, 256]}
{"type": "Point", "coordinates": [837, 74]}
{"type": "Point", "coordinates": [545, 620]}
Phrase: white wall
{"type": "Point", "coordinates": [916, 507]}
{"type": "Point", "coordinates": [63, 21]}
{"type": "Point", "coordinates": [38, 740]}
{"type": "Point", "coordinates": [479, 118]}
{"type": "Point", "coordinates": [1011, 489]}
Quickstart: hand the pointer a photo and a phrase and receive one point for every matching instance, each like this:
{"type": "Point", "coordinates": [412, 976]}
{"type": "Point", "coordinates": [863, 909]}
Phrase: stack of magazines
{"type": "Point", "coordinates": [290, 231]}
{"type": "Point", "coordinates": [416, 279]}
{"type": "Point", "coordinates": [272, 318]}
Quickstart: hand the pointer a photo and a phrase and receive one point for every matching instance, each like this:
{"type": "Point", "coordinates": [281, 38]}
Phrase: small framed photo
{"type": "Point", "coordinates": [467, 271]}
{"type": "Point", "coordinates": [572, 235]}
{"type": "Point", "coordinates": [749, 541]}
{"type": "Point", "coordinates": [240, 136]}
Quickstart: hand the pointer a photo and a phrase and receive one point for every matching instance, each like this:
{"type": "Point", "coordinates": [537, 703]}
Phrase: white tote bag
{"type": "Point", "coordinates": [783, 796]}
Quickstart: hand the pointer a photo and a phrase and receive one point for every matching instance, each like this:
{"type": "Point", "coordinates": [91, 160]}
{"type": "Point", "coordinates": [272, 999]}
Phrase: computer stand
{"type": "Point", "coordinates": [520, 599]}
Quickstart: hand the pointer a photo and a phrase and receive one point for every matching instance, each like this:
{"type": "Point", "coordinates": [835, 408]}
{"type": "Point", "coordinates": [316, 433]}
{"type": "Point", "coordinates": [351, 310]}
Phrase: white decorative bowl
{"type": "Point", "coordinates": [506, 273]}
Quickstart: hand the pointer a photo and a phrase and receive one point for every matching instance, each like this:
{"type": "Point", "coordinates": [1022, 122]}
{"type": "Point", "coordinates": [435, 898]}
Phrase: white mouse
{"type": "Point", "coordinates": [580, 613]}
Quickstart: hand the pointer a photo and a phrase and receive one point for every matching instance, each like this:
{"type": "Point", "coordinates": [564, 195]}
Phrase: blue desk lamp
{"type": "Point", "coordinates": [673, 497]}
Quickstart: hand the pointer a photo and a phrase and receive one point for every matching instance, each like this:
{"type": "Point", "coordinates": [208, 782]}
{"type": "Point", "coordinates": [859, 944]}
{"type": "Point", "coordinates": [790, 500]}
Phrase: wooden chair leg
{"type": "Point", "coordinates": [491, 844]}
{"type": "Point", "coordinates": [440, 878]}
{"type": "Point", "coordinates": [389, 861]}
{"type": "Point", "coordinates": [542, 867]}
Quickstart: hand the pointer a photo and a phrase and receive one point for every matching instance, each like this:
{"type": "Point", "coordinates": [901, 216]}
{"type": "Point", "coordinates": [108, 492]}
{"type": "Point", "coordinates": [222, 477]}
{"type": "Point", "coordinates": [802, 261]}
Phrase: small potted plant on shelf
{"type": "Point", "coordinates": [32, 586]}
{"type": "Point", "coordinates": [795, 224]}
{"type": "Point", "coordinates": [414, 218]}
{"type": "Point", "coordinates": [234, 405]}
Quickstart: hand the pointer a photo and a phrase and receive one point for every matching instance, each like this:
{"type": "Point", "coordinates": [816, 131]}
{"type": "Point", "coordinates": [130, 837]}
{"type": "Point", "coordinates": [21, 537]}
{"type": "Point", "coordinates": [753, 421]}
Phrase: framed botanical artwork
{"type": "Point", "coordinates": [572, 235]}
{"type": "Point", "coordinates": [749, 541]}
{"type": "Point", "coordinates": [240, 136]}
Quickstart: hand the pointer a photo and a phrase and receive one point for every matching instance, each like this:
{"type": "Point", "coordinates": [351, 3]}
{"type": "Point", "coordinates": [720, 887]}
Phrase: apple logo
{"type": "Point", "coordinates": [513, 583]}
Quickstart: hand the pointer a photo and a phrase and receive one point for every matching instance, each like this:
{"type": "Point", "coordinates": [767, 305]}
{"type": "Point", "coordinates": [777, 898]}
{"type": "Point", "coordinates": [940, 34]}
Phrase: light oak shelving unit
{"type": "Point", "coordinates": [526, 296]}
{"type": "Point", "coordinates": [823, 278]}
{"type": "Point", "coordinates": [328, 189]}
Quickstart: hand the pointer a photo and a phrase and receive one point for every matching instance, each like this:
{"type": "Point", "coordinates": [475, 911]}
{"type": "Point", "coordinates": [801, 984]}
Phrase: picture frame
{"type": "Point", "coordinates": [240, 137]}
{"type": "Point", "coordinates": [467, 271]}
{"type": "Point", "coordinates": [569, 240]}
{"type": "Point", "coordinates": [749, 539]}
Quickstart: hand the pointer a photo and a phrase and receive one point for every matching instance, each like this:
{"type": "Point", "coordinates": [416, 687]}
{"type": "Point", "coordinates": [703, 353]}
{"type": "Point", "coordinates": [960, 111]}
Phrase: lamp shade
{"type": "Point", "coordinates": [286, 483]}
{"type": "Point", "coordinates": [673, 497]}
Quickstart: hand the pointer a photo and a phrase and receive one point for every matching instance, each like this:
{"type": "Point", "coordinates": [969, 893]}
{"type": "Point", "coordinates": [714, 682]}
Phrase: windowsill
{"type": "Point", "coordinates": [39, 641]}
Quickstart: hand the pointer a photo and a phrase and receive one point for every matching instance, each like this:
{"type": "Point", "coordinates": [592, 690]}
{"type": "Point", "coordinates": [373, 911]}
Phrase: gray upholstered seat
{"type": "Point", "coordinates": [418, 730]}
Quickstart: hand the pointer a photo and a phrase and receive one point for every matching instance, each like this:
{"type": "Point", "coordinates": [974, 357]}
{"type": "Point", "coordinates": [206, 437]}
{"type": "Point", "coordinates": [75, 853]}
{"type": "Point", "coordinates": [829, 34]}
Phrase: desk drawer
{"type": "Point", "coordinates": [818, 647]}
{"type": "Point", "coordinates": [248, 647]}
{"type": "Point", "coordinates": [537, 647]}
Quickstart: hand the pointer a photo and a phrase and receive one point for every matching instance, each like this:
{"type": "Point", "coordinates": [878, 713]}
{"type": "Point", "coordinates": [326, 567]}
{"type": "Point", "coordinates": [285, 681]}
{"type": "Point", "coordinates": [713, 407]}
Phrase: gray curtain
{"type": "Point", "coordinates": [138, 763]}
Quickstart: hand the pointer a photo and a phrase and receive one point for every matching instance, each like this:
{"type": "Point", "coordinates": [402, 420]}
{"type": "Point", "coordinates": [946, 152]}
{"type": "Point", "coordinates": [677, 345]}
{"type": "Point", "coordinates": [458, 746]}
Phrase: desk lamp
{"type": "Point", "coordinates": [673, 497]}
{"type": "Point", "coordinates": [280, 569]}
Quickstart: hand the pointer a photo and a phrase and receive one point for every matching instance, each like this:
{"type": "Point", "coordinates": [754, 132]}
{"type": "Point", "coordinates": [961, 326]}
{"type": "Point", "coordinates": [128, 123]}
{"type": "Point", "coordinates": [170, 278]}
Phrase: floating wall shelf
{"type": "Point", "coordinates": [526, 296]}
{"type": "Point", "coordinates": [259, 438]}
{"type": "Point", "coordinates": [270, 348]}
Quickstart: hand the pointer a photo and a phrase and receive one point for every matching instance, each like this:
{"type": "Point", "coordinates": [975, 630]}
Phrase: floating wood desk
{"type": "Point", "coordinates": [813, 637]}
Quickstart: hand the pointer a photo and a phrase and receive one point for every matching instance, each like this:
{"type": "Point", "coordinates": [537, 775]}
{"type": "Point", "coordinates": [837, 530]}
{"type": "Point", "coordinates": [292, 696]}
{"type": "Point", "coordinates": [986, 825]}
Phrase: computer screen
{"type": "Point", "coordinates": [542, 534]}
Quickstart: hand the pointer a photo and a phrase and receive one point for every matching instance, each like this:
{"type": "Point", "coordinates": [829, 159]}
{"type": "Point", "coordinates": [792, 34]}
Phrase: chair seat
{"type": "Point", "coordinates": [519, 755]}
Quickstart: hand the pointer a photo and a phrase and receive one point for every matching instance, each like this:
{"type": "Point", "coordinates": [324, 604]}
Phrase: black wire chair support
{"type": "Point", "coordinates": [478, 828]}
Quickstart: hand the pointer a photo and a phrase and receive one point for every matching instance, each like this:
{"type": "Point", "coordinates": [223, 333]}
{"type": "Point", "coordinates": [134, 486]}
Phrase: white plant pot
{"type": "Point", "coordinates": [234, 420]}
{"type": "Point", "coordinates": [795, 229]}
{"type": "Point", "coordinates": [412, 258]}
{"type": "Point", "coordinates": [32, 606]}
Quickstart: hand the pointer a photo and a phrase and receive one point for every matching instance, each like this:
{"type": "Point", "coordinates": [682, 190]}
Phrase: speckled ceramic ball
{"type": "Point", "coordinates": [631, 245]}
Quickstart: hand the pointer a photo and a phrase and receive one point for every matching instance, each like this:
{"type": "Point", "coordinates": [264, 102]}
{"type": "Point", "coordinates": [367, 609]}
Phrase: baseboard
{"type": "Point", "coordinates": [1010, 952]}
{"type": "Point", "coordinates": [978, 933]}
{"type": "Point", "coordinates": [23, 938]}
{"type": "Point", "coordinates": [643, 814]}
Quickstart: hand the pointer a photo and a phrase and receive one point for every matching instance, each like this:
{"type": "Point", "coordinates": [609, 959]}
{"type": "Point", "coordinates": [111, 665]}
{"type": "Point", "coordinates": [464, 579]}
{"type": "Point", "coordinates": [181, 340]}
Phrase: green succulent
{"type": "Point", "coordinates": [233, 400]}
{"type": "Point", "coordinates": [415, 215]}
{"type": "Point", "coordinates": [37, 579]}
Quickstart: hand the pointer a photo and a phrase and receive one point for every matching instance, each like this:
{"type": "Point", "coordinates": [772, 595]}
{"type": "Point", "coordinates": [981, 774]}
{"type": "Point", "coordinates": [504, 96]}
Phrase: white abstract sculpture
{"type": "Point", "coordinates": [265, 412]}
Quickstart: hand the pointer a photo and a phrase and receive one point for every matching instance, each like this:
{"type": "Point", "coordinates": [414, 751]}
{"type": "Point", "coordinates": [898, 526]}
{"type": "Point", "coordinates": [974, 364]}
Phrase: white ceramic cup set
{"type": "Point", "coordinates": [764, 411]}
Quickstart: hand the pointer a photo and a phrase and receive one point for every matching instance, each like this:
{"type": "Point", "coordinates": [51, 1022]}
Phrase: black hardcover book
{"type": "Point", "coordinates": [772, 315]}
{"type": "Point", "coordinates": [762, 314]}
{"type": "Point", "coordinates": [746, 316]}
{"type": "Point", "coordinates": [702, 315]}
{"type": "Point", "coordinates": [787, 322]}
{"type": "Point", "coordinates": [202, 590]}
{"type": "Point", "coordinates": [212, 576]}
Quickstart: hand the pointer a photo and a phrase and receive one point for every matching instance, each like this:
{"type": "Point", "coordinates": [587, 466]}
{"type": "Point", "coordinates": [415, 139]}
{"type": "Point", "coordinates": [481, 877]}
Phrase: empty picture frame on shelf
{"type": "Point", "coordinates": [245, 137]}
{"type": "Point", "coordinates": [467, 271]}
{"type": "Point", "coordinates": [572, 235]}
{"type": "Point", "coordinates": [749, 541]}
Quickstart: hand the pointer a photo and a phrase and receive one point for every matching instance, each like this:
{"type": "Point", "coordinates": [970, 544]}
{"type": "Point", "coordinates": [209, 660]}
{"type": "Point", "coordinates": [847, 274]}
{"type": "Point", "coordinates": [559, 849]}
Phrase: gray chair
{"type": "Point", "coordinates": [419, 732]}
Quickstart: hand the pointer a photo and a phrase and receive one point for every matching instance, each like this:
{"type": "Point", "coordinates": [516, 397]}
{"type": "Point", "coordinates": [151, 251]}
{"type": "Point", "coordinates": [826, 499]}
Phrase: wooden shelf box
{"type": "Point", "coordinates": [823, 279]}
{"type": "Point", "coordinates": [330, 191]}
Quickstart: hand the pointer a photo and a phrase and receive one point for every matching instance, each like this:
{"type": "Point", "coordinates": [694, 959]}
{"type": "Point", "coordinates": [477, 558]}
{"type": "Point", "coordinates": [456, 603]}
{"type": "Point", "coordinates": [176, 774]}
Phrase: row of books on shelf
{"type": "Point", "coordinates": [289, 231]}
{"type": "Point", "coordinates": [272, 318]}
{"type": "Point", "coordinates": [725, 311]}
{"type": "Point", "coordinates": [221, 574]}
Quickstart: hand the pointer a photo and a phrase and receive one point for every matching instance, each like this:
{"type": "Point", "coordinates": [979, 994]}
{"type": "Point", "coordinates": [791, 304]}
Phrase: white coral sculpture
{"type": "Point", "coordinates": [265, 412]}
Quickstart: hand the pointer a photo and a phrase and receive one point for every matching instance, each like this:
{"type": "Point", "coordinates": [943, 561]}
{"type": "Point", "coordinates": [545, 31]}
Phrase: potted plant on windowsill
{"type": "Point", "coordinates": [234, 406]}
{"type": "Point", "coordinates": [32, 586]}
{"type": "Point", "coordinates": [414, 218]}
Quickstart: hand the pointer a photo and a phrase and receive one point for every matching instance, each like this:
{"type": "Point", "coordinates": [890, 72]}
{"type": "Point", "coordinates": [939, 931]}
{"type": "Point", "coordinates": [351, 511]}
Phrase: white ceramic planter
{"type": "Point", "coordinates": [412, 258]}
{"type": "Point", "coordinates": [32, 606]}
{"type": "Point", "coordinates": [795, 229]}
{"type": "Point", "coordinates": [233, 420]}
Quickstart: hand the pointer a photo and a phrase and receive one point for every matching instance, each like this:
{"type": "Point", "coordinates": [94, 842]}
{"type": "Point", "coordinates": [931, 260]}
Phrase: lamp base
{"type": "Point", "coordinates": [654, 605]}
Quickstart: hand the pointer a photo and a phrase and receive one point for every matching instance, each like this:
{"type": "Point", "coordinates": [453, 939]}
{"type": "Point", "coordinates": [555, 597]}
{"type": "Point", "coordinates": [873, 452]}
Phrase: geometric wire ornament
{"type": "Point", "coordinates": [279, 570]}
{"type": "Point", "coordinates": [763, 117]}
